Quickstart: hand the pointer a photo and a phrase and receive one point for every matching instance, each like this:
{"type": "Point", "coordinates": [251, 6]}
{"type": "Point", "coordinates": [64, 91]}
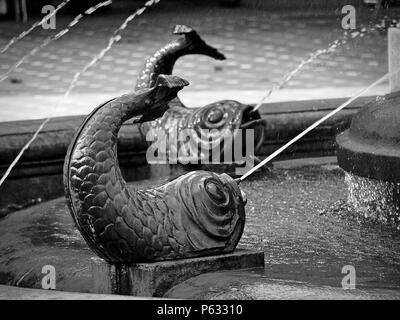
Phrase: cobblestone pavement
{"type": "Point", "coordinates": [260, 46]}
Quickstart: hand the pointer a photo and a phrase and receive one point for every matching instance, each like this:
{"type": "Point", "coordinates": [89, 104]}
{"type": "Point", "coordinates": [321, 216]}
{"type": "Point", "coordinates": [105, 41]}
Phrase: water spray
{"type": "Point", "coordinates": [36, 24]}
{"type": "Point", "coordinates": [330, 49]}
{"type": "Point", "coordinates": [114, 38]}
{"type": "Point", "coordinates": [317, 123]}
{"type": "Point", "coordinates": [49, 40]}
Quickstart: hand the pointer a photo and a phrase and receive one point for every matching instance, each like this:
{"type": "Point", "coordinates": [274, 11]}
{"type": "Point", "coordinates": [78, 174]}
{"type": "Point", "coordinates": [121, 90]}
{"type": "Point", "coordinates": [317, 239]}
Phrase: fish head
{"type": "Point", "coordinates": [212, 207]}
{"type": "Point", "coordinates": [194, 44]}
{"type": "Point", "coordinates": [224, 119]}
{"type": "Point", "coordinates": [154, 101]}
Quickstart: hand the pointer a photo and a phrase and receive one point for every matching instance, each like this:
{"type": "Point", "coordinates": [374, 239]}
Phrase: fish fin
{"type": "Point", "coordinates": [183, 29]}
{"type": "Point", "coordinates": [198, 44]}
{"type": "Point", "coordinates": [170, 81]}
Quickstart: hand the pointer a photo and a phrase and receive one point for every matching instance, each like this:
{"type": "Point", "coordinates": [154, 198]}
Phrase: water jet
{"type": "Point", "coordinates": [283, 221]}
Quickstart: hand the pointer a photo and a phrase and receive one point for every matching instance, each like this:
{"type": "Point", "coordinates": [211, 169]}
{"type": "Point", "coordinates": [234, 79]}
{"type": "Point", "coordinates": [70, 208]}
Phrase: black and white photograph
{"type": "Point", "coordinates": [196, 155]}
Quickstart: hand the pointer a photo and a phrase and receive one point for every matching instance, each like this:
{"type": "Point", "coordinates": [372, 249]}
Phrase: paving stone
{"type": "Point", "coordinates": [261, 48]}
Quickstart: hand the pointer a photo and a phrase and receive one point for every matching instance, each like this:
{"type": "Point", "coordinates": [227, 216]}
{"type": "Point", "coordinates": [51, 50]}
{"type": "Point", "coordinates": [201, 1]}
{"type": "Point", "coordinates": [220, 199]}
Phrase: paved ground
{"type": "Point", "coordinates": [261, 46]}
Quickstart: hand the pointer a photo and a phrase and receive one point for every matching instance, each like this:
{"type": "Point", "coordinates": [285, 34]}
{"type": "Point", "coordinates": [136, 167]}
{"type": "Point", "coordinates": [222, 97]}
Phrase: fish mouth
{"type": "Point", "coordinates": [252, 120]}
{"type": "Point", "coordinates": [196, 43]}
{"type": "Point", "coordinates": [212, 52]}
{"type": "Point", "coordinates": [234, 184]}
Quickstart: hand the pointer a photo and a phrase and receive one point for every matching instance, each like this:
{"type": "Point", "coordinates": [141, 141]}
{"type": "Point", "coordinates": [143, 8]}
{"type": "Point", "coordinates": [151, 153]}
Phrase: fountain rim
{"type": "Point", "coordinates": [368, 158]}
{"type": "Point", "coordinates": [370, 147]}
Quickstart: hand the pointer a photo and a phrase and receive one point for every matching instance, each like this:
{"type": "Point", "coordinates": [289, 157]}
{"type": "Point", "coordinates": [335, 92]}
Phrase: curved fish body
{"type": "Point", "coordinates": [164, 59]}
{"type": "Point", "coordinates": [204, 135]}
{"type": "Point", "coordinates": [199, 213]}
{"type": "Point", "coordinates": [226, 116]}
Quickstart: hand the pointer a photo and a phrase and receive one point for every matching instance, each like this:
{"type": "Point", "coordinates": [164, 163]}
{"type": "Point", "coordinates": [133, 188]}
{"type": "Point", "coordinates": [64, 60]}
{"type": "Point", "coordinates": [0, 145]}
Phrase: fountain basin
{"type": "Point", "coordinates": [296, 214]}
{"type": "Point", "coordinates": [254, 285]}
{"type": "Point", "coordinates": [369, 151]}
{"type": "Point", "coordinates": [38, 175]}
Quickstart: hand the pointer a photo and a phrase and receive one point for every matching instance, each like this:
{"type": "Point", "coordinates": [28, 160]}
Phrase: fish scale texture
{"type": "Point", "coordinates": [161, 62]}
{"type": "Point", "coordinates": [119, 224]}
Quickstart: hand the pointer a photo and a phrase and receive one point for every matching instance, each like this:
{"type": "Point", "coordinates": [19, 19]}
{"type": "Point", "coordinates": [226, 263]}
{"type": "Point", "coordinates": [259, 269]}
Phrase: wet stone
{"type": "Point", "coordinates": [253, 285]}
{"type": "Point", "coordinates": [298, 216]}
{"type": "Point", "coordinates": [154, 279]}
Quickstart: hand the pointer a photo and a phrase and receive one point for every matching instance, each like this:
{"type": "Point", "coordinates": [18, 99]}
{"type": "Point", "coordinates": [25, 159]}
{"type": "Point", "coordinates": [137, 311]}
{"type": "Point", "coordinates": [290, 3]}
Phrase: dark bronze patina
{"type": "Point", "coordinates": [199, 213]}
{"type": "Point", "coordinates": [370, 147]}
{"type": "Point", "coordinates": [224, 116]}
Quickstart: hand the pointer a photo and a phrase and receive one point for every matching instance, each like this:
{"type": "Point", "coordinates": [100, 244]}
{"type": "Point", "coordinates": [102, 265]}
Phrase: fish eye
{"type": "Point", "coordinates": [216, 191]}
{"type": "Point", "coordinates": [215, 115]}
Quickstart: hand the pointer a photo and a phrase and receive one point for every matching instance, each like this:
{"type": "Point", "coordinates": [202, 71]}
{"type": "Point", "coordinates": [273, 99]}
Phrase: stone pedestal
{"type": "Point", "coordinates": [154, 279]}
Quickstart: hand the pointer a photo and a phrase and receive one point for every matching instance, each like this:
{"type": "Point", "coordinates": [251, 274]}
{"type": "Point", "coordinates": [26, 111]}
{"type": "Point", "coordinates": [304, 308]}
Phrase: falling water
{"type": "Point", "coordinates": [374, 199]}
{"type": "Point", "coordinates": [329, 50]}
{"type": "Point", "coordinates": [53, 38]}
{"type": "Point", "coordinates": [316, 124]}
{"type": "Point", "coordinates": [36, 24]}
{"type": "Point", "coordinates": [114, 38]}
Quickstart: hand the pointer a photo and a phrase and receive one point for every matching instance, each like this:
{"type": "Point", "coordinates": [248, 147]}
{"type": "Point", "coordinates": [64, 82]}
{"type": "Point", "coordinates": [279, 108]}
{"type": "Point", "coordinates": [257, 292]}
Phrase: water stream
{"type": "Point", "coordinates": [332, 47]}
{"type": "Point", "coordinates": [57, 36]}
{"type": "Point", "coordinates": [113, 39]}
{"type": "Point", "coordinates": [35, 25]}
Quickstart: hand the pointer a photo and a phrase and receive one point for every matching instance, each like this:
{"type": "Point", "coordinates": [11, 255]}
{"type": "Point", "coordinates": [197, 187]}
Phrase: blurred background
{"type": "Point", "coordinates": [11, 8]}
{"type": "Point", "coordinates": [262, 40]}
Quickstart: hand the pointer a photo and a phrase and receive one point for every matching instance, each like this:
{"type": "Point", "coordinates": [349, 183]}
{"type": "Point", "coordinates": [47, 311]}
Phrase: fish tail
{"type": "Point", "coordinates": [198, 45]}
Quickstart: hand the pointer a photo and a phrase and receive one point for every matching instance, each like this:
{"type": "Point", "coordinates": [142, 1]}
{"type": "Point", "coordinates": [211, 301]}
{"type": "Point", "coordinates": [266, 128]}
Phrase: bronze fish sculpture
{"type": "Point", "coordinates": [216, 120]}
{"type": "Point", "coordinates": [199, 213]}
{"type": "Point", "coordinates": [164, 59]}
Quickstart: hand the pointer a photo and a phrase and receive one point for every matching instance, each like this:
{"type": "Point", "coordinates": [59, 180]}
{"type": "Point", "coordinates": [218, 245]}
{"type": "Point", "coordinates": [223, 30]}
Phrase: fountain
{"type": "Point", "coordinates": [35, 25]}
{"type": "Point", "coordinates": [369, 151]}
{"type": "Point", "coordinates": [292, 218]}
{"type": "Point", "coordinates": [49, 40]}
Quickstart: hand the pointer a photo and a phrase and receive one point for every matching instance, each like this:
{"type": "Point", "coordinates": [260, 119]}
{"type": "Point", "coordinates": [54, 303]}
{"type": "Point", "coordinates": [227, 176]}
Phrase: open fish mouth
{"type": "Point", "coordinates": [228, 119]}
{"type": "Point", "coordinates": [211, 131]}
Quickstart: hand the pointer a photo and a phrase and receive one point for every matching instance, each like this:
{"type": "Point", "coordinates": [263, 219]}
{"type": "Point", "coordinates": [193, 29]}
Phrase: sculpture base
{"type": "Point", "coordinates": [156, 278]}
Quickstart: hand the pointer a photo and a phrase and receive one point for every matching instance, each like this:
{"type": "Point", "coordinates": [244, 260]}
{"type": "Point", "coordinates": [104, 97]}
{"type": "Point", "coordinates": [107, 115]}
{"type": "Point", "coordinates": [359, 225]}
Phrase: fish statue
{"type": "Point", "coordinates": [164, 59]}
{"type": "Point", "coordinates": [199, 213]}
{"type": "Point", "coordinates": [213, 122]}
